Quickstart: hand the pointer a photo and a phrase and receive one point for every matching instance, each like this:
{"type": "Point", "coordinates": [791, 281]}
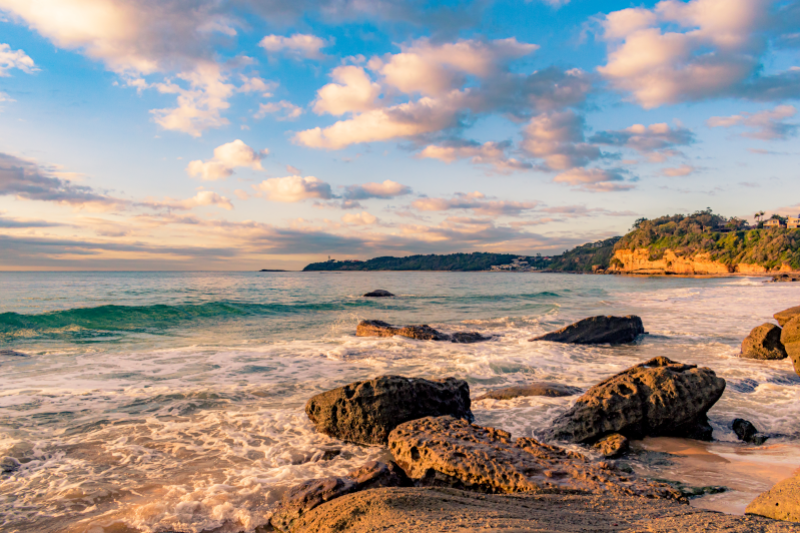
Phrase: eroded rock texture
{"type": "Point", "coordinates": [598, 330]}
{"type": "Point", "coordinates": [552, 390]}
{"type": "Point", "coordinates": [764, 342]}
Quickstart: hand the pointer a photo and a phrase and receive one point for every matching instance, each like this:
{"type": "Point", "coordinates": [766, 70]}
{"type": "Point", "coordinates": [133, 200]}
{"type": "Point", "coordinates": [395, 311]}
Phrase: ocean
{"type": "Point", "coordinates": [160, 401]}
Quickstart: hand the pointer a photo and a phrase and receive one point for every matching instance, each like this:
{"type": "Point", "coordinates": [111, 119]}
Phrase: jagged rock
{"type": "Point", "coordinates": [656, 398]}
{"type": "Point", "coordinates": [378, 328]}
{"type": "Point", "coordinates": [380, 293]}
{"type": "Point", "coordinates": [366, 411]}
{"type": "Point", "coordinates": [552, 390]}
{"type": "Point", "coordinates": [612, 445]}
{"type": "Point", "coordinates": [445, 451]}
{"type": "Point", "coordinates": [764, 342]}
{"type": "Point", "coordinates": [305, 497]}
{"type": "Point", "coordinates": [786, 315]}
{"type": "Point", "coordinates": [598, 330]}
{"type": "Point", "coordinates": [747, 432]}
{"type": "Point", "coordinates": [781, 502]}
{"type": "Point", "coordinates": [790, 337]}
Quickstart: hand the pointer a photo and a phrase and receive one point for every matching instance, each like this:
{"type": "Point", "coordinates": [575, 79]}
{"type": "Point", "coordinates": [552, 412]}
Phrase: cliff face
{"type": "Point", "coordinates": [638, 262]}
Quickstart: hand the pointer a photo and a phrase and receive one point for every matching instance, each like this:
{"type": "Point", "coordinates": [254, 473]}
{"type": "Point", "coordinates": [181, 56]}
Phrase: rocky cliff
{"type": "Point", "coordinates": [640, 262]}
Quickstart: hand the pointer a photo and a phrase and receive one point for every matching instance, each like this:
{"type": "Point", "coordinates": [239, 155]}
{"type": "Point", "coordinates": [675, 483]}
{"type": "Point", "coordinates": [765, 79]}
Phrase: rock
{"type": "Point", "coordinates": [451, 452]}
{"type": "Point", "coordinates": [612, 445]}
{"type": "Point", "coordinates": [366, 411]}
{"type": "Point", "coordinates": [781, 502]}
{"type": "Point", "coordinates": [656, 398]}
{"type": "Point", "coordinates": [305, 497]}
{"type": "Point", "coordinates": [446, 510]}
{"type": "Point", "coordinates": [785, 277]}
{"type": "Point", "coordinates": [378, 328]}
{"type": "Point", "coordinates": [747, 432]}
{"type": "Point", "coordinates": [552, 390]}
{"type": "Point", "coordinates": [380, 293]}
{"type": "Point", "coordinates": [9, 464]}
{"type": "Point", "coordinates": [764, 342]}
{"type": "Point", "coordinates": [790, 337]}
{"type": "Point", "coordinates": [13, 353]}
{"type": "Point", "coordinates": [786, 315]}
{"type": "Point", "coordinates": [598, 330]}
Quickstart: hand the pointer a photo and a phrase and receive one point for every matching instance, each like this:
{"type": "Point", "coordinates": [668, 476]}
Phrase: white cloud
{"type": "Point", "coordinates": [386, 190]}
{"type": "Point", "coordinates": [488, 153]}
{"type": "Point", "coordinates": [359, 219]}
{"type": "Point", "coordinates": [298, 45]}
{"type": "Point", "coordinates": [294, 189]}
{"type": "Point", "coordinates": [15, 59]}
{"type": "Point", "coordinates": [289, 110]}
{"type": "Point", "coordinates": [593, 179]}
{"type": "Point", "coordinates": [355, 92]}
{"type": "Point", "coordinates": [205, 198]}
{"type": "Point", "coordinates": [476, 202]}
{"type": "Point", "coordinates": [683, 170]}
{"type": "Point", "coordinates": [558, 139]}
{"type": "Point", "coordinates": [766, 125]}
{"type": "Point", "coordinates": [226, 158]}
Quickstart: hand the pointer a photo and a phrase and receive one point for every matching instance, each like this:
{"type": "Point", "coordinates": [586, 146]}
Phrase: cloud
{"type": "Point", "coordinates": [294, 189]}
{"type": "Point", "coordinates": [558, 138]}
{"type": "Point", "coordinates": [205, 198]}
{"type": "Point", "coordinates": [359, 219]}
{"type": "Point", "coordinates": [593, 179]}
{"type": "Point", "coordinates": [476, 202]}
{"type": "Point", "coordinates": [354, 92]}
{"type": "Point", "coordinates": [299, 46]}
{"type": "Point", "coordinates": [386, 190]}
{"type": "Point", "coordinates": [289, 110]}
{"type": "Point", "coordinates": [15, 59]}
{"type": "Point", "coordinates": [646, 139]}
{"type": "Point", "coordinates": [683, 170]}
{"type": "Point", "coordinates": [765, 125]}
{"type": "Point", "coordinates": [705, 49]}
{"type": "Point", "coordinates": [15, 223]}
{"type": "Point", "coordinates": [488, 153]}
{"type": "Point", "coordinates": [227, 157]}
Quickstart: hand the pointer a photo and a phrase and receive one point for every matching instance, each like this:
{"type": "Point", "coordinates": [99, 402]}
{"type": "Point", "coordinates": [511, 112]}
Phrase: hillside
{"type": "Point", "coordinates": [585, 257]}
{"type": "Point", "coordinates": [452, 262]}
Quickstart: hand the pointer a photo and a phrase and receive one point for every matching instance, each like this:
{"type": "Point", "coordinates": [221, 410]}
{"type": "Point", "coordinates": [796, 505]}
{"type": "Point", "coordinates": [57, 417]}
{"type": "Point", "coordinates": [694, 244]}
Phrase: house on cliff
{"type": "Point", "coordinates": [793, 222]}
{"type": "Point", "coordinates": [774, 223]}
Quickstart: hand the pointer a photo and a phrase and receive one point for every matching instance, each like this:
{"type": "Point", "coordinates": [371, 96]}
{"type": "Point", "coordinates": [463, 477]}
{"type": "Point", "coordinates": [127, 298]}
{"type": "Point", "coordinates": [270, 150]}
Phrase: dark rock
{"type": "Point", "coordinates": [13, 353]}
{"type": "Point", "coordinates": [305, 497]}
{"type": "Point", "coordinates": [9, 464]}
{"type": "Point", "coordinates": [656, 398]}
{"type": "Point", "coordinates": [700, 430]}
{"type": "Point", "coordinates": [380, 293]}
{"type": "Point", "coordinates": [612, 445]}
{"type": "Point", "coordinates": [786, 315]}
{"type": "Point", "coordinates": [598, 330]}
{"type": "Point", "coordinates": [790, 337]}
{"type": "Point", "coordinates": [764, 342]}
{"type": "Point", "coordinates": [552, 390]}
{"type": "Point", "coordinates": [691, 491]}
{"type": "Point", "coordinates": [785, 277]}
{"type": "Point", "coordinates": [366, 411]}
{"type": "Point", "coordinates": [747, 432]}
{"type": "Point", "coordinates": [378, 328]}
{"type": "Point", "coordinates": [781, 502]}
{"type": "Point", "coordinates": [445, 451]}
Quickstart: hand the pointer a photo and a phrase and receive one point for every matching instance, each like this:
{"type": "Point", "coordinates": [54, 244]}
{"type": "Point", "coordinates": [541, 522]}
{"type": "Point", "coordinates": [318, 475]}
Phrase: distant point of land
{"type": "Point", "coordinates": [272, 270]}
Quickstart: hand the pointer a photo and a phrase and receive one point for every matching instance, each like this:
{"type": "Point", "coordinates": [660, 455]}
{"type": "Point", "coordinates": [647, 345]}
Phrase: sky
{"type": "Point", "coordinates": [248, 134]}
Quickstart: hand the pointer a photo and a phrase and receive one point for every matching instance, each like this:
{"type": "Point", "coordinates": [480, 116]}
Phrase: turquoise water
{"type": "Point", "coordinates": [173, 401]}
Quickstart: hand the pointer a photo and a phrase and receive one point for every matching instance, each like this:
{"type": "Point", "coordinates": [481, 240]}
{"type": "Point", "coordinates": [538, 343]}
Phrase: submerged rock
{"type": "Point", "coordinates": [790, 337]}
{"type": "Point", "coordinates": [786, 315]}
{"type": "Point", "coordinates": [612, 445]}
{"type": "Point", "coordinates": [305, 497]}
{"type": "Point", "coordinates": [764, 342]}
{"type": "Point", "coordinates": [380, 293]}
{"type": "Point", "coordinates": [598, 330]}
{"type": "Point", "coordinates": [747, 432]}
{"type": "Point", "coordinates": [366, 411]}
{"type": "Point", "coordinates": [13, 353]}
{"type": "Point", "coordinates": [552, 390]}
{"type": "Point", "coordinates": [445, 451]}
{"type": "Point", "coordinates": [9, 464]}
{"type": "Point", "coordinates": [378, 328]}
{"type": "Point", "coordinates": [656, 398]}
{"type": "Point", "coordinates": [781, 502]}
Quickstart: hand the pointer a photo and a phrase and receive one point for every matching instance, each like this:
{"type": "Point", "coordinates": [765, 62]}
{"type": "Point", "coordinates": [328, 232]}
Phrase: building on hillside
{"type": "Point", "coordinates": [774, 223]}
{"type": "Point", "coordinates": [793, 222]}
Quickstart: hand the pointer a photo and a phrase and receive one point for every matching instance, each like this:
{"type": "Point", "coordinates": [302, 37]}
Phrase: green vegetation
{"type": "Point", "coordinates": [451, 262]}
{"type": "Point", "coordinates": [728, 241]}
{"type": "Point", "coordinates": [583, 258]}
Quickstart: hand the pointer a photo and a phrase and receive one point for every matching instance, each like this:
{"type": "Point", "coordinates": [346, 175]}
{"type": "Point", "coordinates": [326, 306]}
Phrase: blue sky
{"type": "Point", "coordinates": [241, 134]}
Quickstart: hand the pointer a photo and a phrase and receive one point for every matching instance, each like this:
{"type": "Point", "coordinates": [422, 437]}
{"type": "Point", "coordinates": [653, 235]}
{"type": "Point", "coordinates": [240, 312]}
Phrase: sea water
{"type": "Point", "coordinates": [152, 402]}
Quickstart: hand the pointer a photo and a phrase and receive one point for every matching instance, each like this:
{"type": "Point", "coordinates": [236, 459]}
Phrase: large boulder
{"type": "Point", "coordinates": [747, 432]}
{"type": "Point", "coordinates": [366, 412]}
{"type": "Point", "coordinates": [790, 337]}
{"type": "Point", "coordinates": [379, 328]}
{"type": "Point", "coordinates": [445, 451]}
{"type": "Point", "coordinates": [380, 293]}
{"type": "Point", "coordinates": [537, 388]}
{"type": "Point", "coordinates": [786, 315]}
{"type": "Point", "coordinates": [764, 342]}
{"type": "Point", "coordinates": [598, 330]}
{"type": "Point", "coordinates": [656, 398]}
{"type": "Point", "coordinates": [781, 502]}
{"type": "Point", "coordinates": [303, 498]}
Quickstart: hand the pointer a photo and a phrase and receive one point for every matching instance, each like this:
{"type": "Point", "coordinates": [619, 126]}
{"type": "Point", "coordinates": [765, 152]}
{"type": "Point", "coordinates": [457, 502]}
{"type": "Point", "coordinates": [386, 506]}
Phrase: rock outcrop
{"type": "Point", "coordinates": [380, 293]}
{"type": "Point", "coordinates": [378, 328]}
{"type": "Point", "coordinates": [656, 398]}
{"type": "Point", "coordinates": [747, 432]}
{"type": "Point", "coordinates": [552, 390]}
{"type": "Point", "coordinates": [764, 342]}
{"type": "Point", "coordinates": [445, 451]}
{"type": "Point", "coordinates": [612, 445]}
{"type": "Point", "coordinates": [303, 498]}
{"type": "Point", "coordinates": [785, 277]}
{"type": "Point", "coordinates": [786, 315]}
{"type": "Point", "coordinates": [13, 353]}
{"type": "Point", "coordinates": [790, 337]}
{"type": "Point", "coordinates": [366, 412]}
{"type": "Point", "coordinates": [781, 502]}
{"type": "Point", "coordinates": [598, 330]}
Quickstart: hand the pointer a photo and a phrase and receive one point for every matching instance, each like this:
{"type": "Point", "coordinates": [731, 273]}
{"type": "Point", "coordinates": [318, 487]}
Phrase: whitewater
{"type": "Point", "coordinates": [153, 402]}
